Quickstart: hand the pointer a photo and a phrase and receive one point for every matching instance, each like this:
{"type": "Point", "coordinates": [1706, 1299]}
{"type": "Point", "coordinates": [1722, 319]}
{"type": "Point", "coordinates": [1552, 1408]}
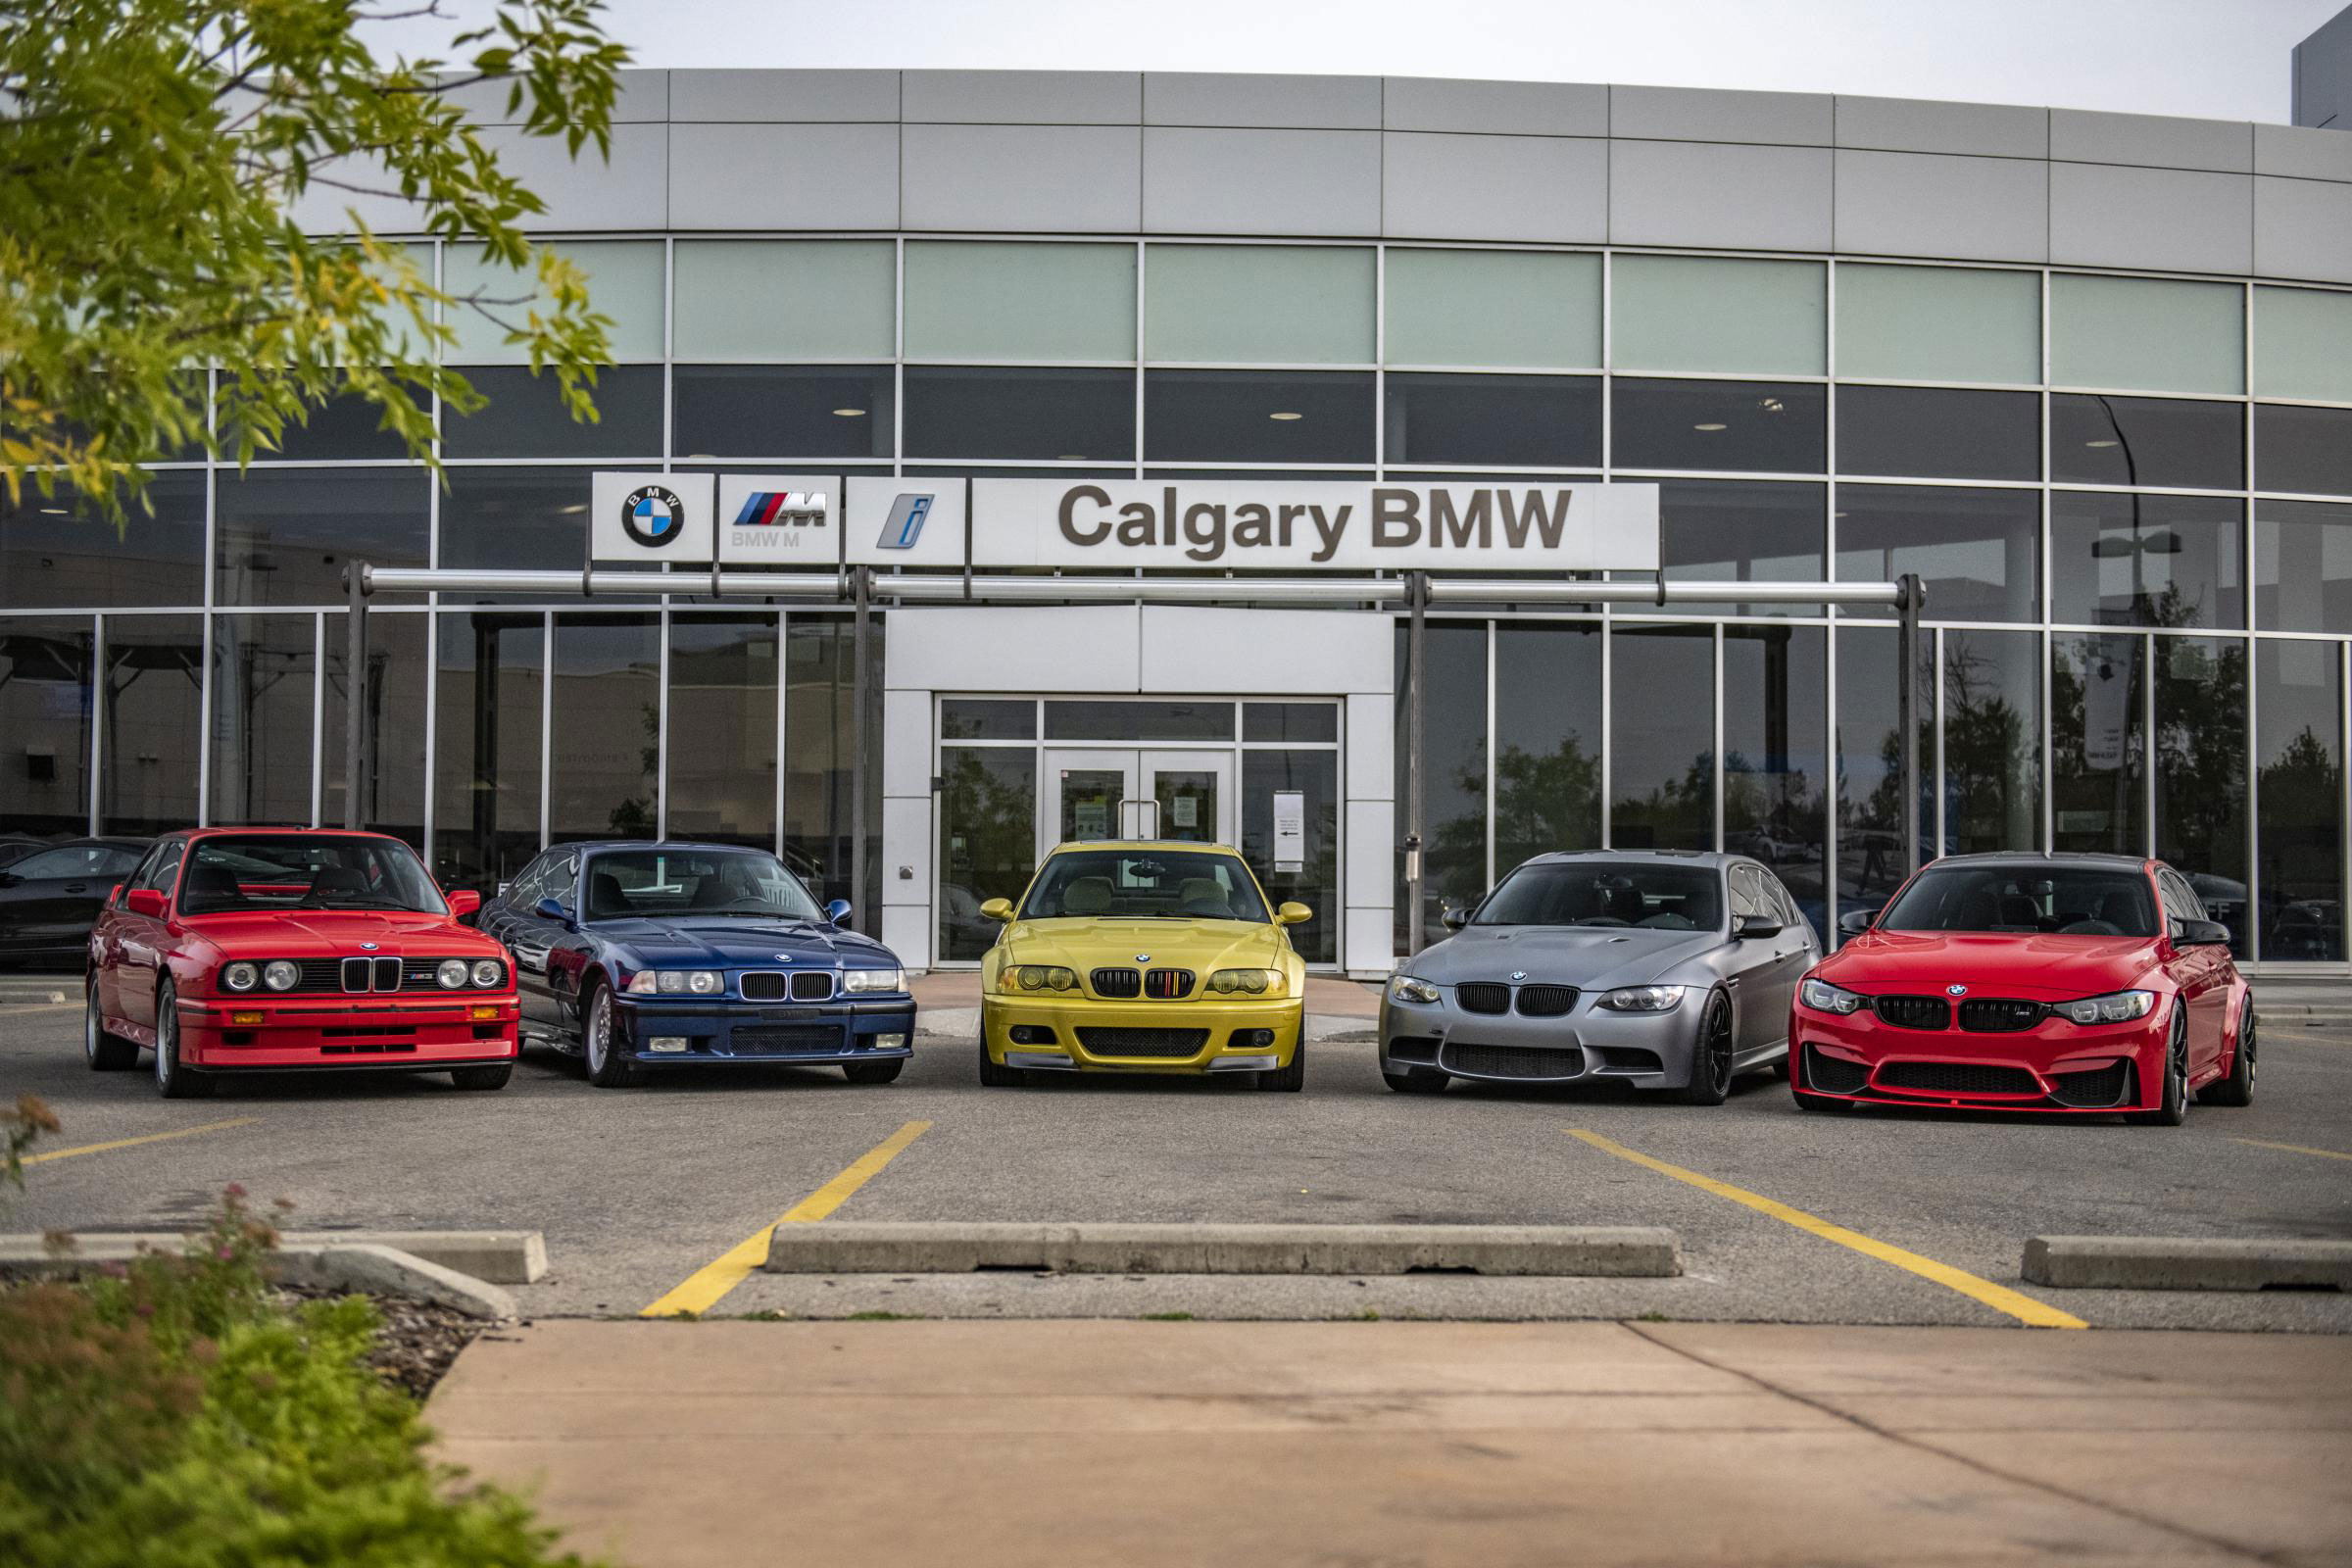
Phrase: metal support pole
{"type": "Point", "coordinates": [861, 642]}
{"type": "Point", "coordinates": [1906, 708]}
{"type": "Point", "coordinates": [1416, 705]}
{"type": "Point", "coordinates": [355, 693]}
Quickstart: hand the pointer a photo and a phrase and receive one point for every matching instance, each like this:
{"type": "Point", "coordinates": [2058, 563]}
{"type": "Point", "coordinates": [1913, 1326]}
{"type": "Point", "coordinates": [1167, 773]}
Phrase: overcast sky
{"type": "Point", "coordinates": [2225, 59]}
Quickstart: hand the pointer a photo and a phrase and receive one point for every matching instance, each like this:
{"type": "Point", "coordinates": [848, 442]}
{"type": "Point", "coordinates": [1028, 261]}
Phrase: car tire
{"type": "Point", "coordinates": [105, 1051]}
{"type": "Point", "coordinates": [608, 1066]}
{"type": "Point", "coordinates": [995, 1075]}
{"type": "Point", "coordinates": [1819, 1104]}
{"type": "Point", "coordinates": [173, 1081]}
{"type": "Point", "coordinates": [482, 1077]}
{"type": "Point", "coordinates": [2172, 1109]}
{"type": "Point", "coordinates": [873, 1072]}
{"type": "Point", "coordinates": [1411, 1082]}
{"type": "Point", "coordinates": [2237, 1089]}
{"type": "Point", "coordinates": [1287, 1080]}
{"type": "Point", "coordinates": [1713, 1052]}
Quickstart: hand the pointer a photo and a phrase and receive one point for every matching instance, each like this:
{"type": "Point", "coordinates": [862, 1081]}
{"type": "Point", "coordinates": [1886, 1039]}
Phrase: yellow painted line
{"type": "Point", "coordinates": [1999, 1298]}
{"type": "Point", "coordinates": [702, 1290]}
{"type": "Point", "coordinates": [133, 1142]}
{"type": "Point", "coordinates": [2292, 1149]}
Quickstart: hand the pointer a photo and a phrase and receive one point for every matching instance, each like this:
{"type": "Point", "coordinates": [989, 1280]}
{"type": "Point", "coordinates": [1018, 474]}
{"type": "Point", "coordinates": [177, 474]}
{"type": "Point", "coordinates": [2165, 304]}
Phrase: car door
{"type": "Point", "coordinates": [2197, 971]}
{"type": "Point", "coordinates": [1794, 951]}
{"type": "Point", "coordinates": [535, 938]}
{"type": "Point", "coordinates": [141, 941]}
{"type": "Point", "coordinates": [47, 900]}
{"type": "Point", "coordinates": [1761, 1013]}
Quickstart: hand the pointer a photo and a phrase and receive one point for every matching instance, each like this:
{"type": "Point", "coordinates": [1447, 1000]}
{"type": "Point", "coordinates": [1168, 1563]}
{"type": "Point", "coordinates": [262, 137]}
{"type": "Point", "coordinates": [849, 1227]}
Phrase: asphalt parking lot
{"type": "Point", "coordinates": [644, 1194]}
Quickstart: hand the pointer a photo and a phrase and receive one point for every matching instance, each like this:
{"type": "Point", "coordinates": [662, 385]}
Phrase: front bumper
{"type": "Point", "coordinates": [659, 1030]}
{"type": "Point", "coordinates": [1647, 1049]}
{"type": "Point", "coordinates": [2055, 1067]}
{"type": "Point", "coordinates": [253, 1034]}
{"type": "Point", "coordinates": [1081, 1034]}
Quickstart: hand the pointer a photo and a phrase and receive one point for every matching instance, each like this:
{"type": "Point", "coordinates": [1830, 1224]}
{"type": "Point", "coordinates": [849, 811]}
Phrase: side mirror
{"type": "Point", "coordinates": [550, 910]}
{"type": "Point", "coordinates": [838, 911]}
{"type": "Point", "coordinates": [2200, 934]}
{"type": "Point", "coordinates": [1454, 919]}
{"type": "Point", "coordinates": [113, 896]}
{"type": "Point", "coordinates": [996, 909]}
{"type": "Point", "coordinates": [1856, 921]}
{"type": "Point", "coordinates": [1755, 925]}
{"type": "Point", "coordinates": [463, 902]}
{"type": "Point", "coordinates": [1292, 912]}
{"type": "Point", "coordinates": [147, 901]}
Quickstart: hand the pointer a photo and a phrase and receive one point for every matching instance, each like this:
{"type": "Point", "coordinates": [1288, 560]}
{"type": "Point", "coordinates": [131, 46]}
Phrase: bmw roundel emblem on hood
{"type": "Point", "coordinates": [783, 958]}
{"type": "Point", "coordinates": [367, 947]}
{"type": "Point", "coordinates": [1142, 957]}
{"type": "Point", "coordinates": [1955, 990]}
{"type": "Point", "coordinates": [1518, 974]}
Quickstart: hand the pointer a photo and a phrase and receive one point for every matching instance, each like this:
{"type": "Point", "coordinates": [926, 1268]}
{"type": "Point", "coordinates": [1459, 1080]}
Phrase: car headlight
{"type": "Point", "coordinates": [1410, 988]}
{"type": "Point", "coordinates": [2117, 1006]}
{"type": "Point", "coordinates": [1823, 997]}
{"type": "Point", "coordinates": [872, 980]}
{"type": "Point", "coordinates": [1044, 977]}
{"type": "Point", "coordinates": [488, 973]}
{"type": "Point", "coordinates": [1642, 999]}
{"type": "Point", "coordinates": [240, 976]}
{"type": "Point", "coordinates": [280, 974]}
{"type": "Point", "coordinates": [1248, 982]}
{"type": "Point", "coordinates": [452, 973]}
{"type": "Point", "coordinates": [675, 982]}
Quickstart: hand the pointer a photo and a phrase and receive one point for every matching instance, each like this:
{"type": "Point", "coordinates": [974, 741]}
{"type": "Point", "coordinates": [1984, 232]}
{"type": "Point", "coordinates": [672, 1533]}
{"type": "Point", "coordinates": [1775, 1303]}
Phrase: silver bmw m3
{"type": "Point", "coordinates": [1663, 970]}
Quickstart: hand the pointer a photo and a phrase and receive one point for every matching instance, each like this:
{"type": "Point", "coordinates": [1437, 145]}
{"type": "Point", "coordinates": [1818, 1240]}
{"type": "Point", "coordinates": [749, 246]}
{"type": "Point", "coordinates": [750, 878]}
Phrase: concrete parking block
{"type": "Point", "coordinates": [2187, 1264]}
{"type": "Point", "coordinates": [954, 1247]}
{"type": "Point", "coordinates": [337, 1264]}
{"type": "Point", "coordinates": [497, 1258]}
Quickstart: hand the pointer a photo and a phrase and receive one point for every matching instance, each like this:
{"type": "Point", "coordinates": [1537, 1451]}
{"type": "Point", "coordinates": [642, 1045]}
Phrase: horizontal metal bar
{"type": "Point", "coordinates": [1675, 591]}
{"type": "Point", "coordinates": [1152, 590]}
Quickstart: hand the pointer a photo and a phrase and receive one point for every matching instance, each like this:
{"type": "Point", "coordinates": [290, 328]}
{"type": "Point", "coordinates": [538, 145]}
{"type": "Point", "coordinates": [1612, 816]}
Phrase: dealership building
{"type": "Point", "coordinates": [980, 348]}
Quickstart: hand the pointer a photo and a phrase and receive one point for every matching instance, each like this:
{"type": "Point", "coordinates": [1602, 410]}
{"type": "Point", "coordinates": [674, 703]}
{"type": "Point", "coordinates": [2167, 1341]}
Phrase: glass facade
{"type": "Point", "coordinates": [2130, 499]}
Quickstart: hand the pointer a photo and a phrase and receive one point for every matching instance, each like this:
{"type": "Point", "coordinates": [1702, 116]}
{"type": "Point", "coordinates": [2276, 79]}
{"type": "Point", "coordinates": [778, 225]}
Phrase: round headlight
{"type": "Point", "coordinates": [488, 972]}
{"type": "Point", "coordinates": [451, 974]}
{"type": "Point", "coordinates": [280, 974]}
{"type": "Point", "coordinates": [702, 983]}
{"type": "Point", "coordinates": [240, 976]}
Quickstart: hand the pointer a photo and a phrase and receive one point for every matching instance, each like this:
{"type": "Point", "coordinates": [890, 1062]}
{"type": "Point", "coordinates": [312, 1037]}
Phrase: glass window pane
{"type": "Point", "coordinates": [392, 799]}
{"type": "Point", "coordinates": [2304, 450]}
{"type": "Point", "coordinates": [1453, 772]}
{"type": "Point", "coordinates": [1019, 413]}
{"type": "Point", "coordinates": [1497, 420]}
{"type": "Point", "coordinates": [782, 410]}
{"type": "Point", "coordinates": [605, 727]}
{"type": "Point", "coordinates": [624, 282]}
{"type": "Point", "coordinates": [986, 840]}
{"type": "Point", "coordinates": [723, 728]}
{"type": "Point", "coordinates": [1257, 417]}
{"type": "Point", "coordinates": [264, 668]}
{"type": "Point", "coordinates": [516, 517]}
{"type": "Point", "coordinates": [800, 299]}
{"type": "Point", "coordinates": [1870, 767]}
{"type": "Point", "coordinates": [1938, 324]}
{"type": "Point", "coordinates": [45, 712]}
{"type": "Point", "coordinates": [343, 426]}
{"type": "Point", "coordinates": [2097, 439]}
{"type": "Point", "coordinates": [525, 416]}
{"type": "Point", "coordinates": [1494, 308]}
{"type": "Point", "coordinates": [1774, 747]}
{"type": "Point", "coordinates": [1978, 550]}
{"type": "Point", "coordinates": [1290, 721]}
{"type": "Point", "coordinates": [55, 553]}
{"type": "Point", "coordinates": [2303, 344]}
{"type": "Point", "coordinates": [1914, 432]}
{"type": "Point", "coordinates": [820, 678]}
{"type": "Point", "coordinates": [151, 701]}
{"type": "Point", "coordinates": [2146, 560]}
{"type": "Point", "coordinates": [1114, 721]}
{"type": "Point", "coordinates": [1992, 741]}
{"type": "Point", "coordinates": [1732, 316]}
{"type": "Point", "coordinates": [1316, 776]}
{"type": "Point", "coordinates": [486, 748]}
{"type": "Point", "coordinates": [970, 719]}
{"type": "Point", "coordinates": [2201, 771]}
{"type": "Point", "coordinates": [2298, 791]}
{"type": "Point", "coordinates": [1258, 304]}
{"type": "Point", "coordinates": [1547, 740]}
{"type": "Point", "coordinates": [2098, 747]}
{"type": "Point", "coordinates": [2147, 335]}
{"type": "Point", "coordinates": [982, 300]}
{"type": "Point", "coordinates": [2303, 565]}
{"type": "Point", "coordinates": [1662, 758]}
{"type": "Point", "coordinates": [285, 535]}
{"type": "Point", "coordinates": [1741, 530]}
{"type": "Point", "coordinates": [1755, 426]}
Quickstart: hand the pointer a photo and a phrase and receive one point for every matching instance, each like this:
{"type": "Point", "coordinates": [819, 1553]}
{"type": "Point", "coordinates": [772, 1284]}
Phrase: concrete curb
{"type": "Point", "coordinates": [498, 1257]}
{"type": "Point", "coordinates": [928, 1248]}
{"type": "Point", "coordinates": [2185, 1263]}
{"type": "Point", "coordinates": [340, 1265]}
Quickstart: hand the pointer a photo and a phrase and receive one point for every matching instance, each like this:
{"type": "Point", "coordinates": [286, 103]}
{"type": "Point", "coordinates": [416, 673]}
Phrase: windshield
{"type": "Point", "coordinates": [2071, 901]}
{"type": "Point", "coordinates": [630, 884]}
{"type": "Point", "coordinates": [246, 873]}
{"type": "Point", "coordinates": [1653, 895]}
{"type": "Point", "coordinates": [1145, 884]}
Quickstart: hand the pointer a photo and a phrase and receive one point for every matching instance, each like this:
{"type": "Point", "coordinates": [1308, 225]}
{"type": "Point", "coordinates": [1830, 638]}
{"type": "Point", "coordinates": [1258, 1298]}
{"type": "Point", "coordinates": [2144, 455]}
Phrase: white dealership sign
{"type": "Point", "coordinates": [777, 519]}
{"type": "Point", "coordinates": [644, 518]}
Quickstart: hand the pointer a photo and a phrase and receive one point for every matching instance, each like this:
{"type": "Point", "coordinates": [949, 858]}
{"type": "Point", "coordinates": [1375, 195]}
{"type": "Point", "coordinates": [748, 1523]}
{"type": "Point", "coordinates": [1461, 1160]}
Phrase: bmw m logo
{"type": "Point", "coordinates": [1518, 974]}
{"type": "Point", "coordinates": [1955, 990]}
{"type": "Point", "coordinates": [651, 515]}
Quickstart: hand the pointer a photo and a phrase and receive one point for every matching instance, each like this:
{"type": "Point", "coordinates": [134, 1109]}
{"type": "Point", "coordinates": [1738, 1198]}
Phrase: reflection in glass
{"type": "Point", "coordinates": [1532, 420]}
{"type": "Point", "coordinates": [45, 712]}
{"type": "Point", "coordinates": [534, 518]}
{"type": "Point", "coordinates": [1188, 804]}
{"type": "Point", "coordinates": [1976, 549]}
{"type": "Point", "coordinates": [1257, 417]}
{"type": "Point", "coordinates": [343, 427]}
{"type": "Point", "coordinates": [525, 416]}
{"type": "Point", "coordinates": [2146, 560]}
{"type": "Point", "coordinates": [820, 685]}
{"type": "Point", "coordinates": [1112, 719]}
{"type": "Point", "coordinates": [1315, 775]}
{"type": "Point", "coordinates": [1019, 414]}
{"type": "Point", "coordinates": [1453, 774]}
{"type": "Point", "coordinates": [605, 727]}
{"type": "Point", "coordinates": [2201, 771]}
{"type": "Point", "coordinates": [56, 553]}
{"type": "Point", "coordinates": [2303, 565]}
{"type": "Point", "coordinates": [2194, 445]}
{"type": "Point", "coordinates": [723, 728]}
{"type": "Point", "coordinates": [2305, 450]}
{"type": "Point", "coordinates": [1756, 426]}
{"type": "Point", "coordinates": [1992, 741]}
{"type": "Point", "coordinates": [285, 535]}
{"type": "Point", "coordinates": [1089, 804]}
{"type": "Point", "coordinates": [2298, 791]}
{"type": "Point", "coordinates": [986, 840]}
{"type": "Point", "coordinates": [392, 799]}
{"type": "Point", "coordinates": [1921, 432]}
{"type": "Point", "coordinates": [1662, 760]}
{"type": "Point", "coordinates": [2098, 745]}
{"type": "Point", "coordinates": [263, 670]}
{"type": "Point", "coordinates": [1547, 739]}
{"type": "Point", "coordinates": [148, 723]}
{"type": "Point", "coordinates": [493, 676]}
{"type": "Point", "coordinates": [1775, 690]}
{"type": "Point", "coordinates": [782, 410]}
{"type": "Point", "coordinates": [1290, 721]}
{"type": "Point", "coordinates": [1741, 531]}
{"type": "Point", "coordinates": [987, 719]}
{"type": "Point", "coordinates": [1870, 768]}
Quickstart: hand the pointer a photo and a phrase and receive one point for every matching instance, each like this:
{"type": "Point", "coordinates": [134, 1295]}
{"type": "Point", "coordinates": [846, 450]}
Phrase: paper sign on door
{"type": "Point", "coordinates": [1289, 831]}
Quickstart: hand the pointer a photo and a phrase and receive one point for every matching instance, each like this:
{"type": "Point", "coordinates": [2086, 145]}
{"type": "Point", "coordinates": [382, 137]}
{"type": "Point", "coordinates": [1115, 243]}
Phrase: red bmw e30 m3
{"type": "Point", "coordinates": [241, 950]}
{"type": "Point", "coordinates": [2068, 984]}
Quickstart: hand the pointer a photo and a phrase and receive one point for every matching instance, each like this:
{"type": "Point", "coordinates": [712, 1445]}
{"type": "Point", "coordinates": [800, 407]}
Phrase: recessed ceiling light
{"type": "Point", "coordinates": [701, 456]}
{"type": "Point", "coordinates": [851, 414]}
{"type": "Point", "coordinates": [1071, 456]}
{"type": "Point", "coordinates": [1770, 405]}
{"type": "Point", "coordinates": [1286, 416]}
{"type": "Point", "coordinates": [2097, 444]}
{"type": "Point", "coordinates": [1706, 427]}
{"type": "Point", "coordinates": [53, 512]}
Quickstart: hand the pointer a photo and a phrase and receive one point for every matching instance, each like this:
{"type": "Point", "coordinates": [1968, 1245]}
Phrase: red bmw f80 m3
{"type": "Point", "coordinates": [2070, 984]}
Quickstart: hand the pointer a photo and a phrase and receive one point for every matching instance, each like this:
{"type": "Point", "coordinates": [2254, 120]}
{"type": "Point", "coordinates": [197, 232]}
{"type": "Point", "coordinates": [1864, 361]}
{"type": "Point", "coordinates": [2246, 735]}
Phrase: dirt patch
{"type": "Point", "coordinates": [417, 1341]}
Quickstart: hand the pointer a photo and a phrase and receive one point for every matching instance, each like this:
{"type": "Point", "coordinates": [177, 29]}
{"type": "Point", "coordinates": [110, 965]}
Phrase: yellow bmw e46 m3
{"type": "Point", "coordinates": [1143, 957]}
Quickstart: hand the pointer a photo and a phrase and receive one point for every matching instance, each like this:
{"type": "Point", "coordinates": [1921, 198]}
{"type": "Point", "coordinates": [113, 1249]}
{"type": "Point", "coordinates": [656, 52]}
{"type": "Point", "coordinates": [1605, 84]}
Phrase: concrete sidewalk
{"type": "Point", "coordinates": [1144, 1443]}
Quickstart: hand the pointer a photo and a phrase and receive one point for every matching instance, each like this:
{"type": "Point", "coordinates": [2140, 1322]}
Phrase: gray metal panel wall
{"type": "Point", "coordinates": [2303, 228]}
{"type": "Point", "coordinates": [1023, 178]}
{"type": "Point", "coordinates": [1928, 203]}
{"type": "Point", "coordinates": [1528, 189]}
{"type": "Point", "coordinates": [1203, 182]}
{"type": "Point", "coordinates": [1303, 103]}
{"type": "Point", "coordinates": [783, 176]}
{"type": "Point", "coordinates": [1704, 113]}
{"type": "Point", "coordinates": [1024, 97]}
{"type": "Point", "coordinates": [2169, 219]}
{"type": "Point", "coordinates": [1909, 126]}
{"type": "Point", "coordinates": [1704, 193]}
{"type": "Point", "coordinates": [1501, 108]}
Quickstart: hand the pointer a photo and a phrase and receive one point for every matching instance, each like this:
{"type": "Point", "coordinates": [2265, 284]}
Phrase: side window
{"type": "Point", "coordinates": [162, 869]}
{"type": "Point", "coordinates": [1748, 893]}
{"type": "Point", "coordinates": [2181, 902]}
{"type": "Point", "coordinates": [1777, 892]}
{"type": "Point", "coordinates": [557, 880]}
{"type": "Point", "coordinates": [523, 891]}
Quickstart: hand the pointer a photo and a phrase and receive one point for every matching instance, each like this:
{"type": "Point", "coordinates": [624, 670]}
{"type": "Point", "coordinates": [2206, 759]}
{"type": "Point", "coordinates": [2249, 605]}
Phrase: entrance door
{"type": "Point", "coordinates": [1094, 794]}
{"type": "Point", "coordinates": [1195, 794]}
{"type": "Point", "coordinates": [1083, 792]}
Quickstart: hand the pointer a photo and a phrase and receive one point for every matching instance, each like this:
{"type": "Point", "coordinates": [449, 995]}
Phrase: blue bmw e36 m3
{"type": "Point", "coordinates": [635, 956]}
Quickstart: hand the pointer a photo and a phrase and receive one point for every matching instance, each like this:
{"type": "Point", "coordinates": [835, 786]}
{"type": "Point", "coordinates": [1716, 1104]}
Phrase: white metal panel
{"type": "Point", "coordinates": [1023, 178]}
{"type": "Point", "coordinates": [1962, 209]}
{"type": "Point", "coordinates": [1497, 107]}
{"type": "Point", "coordinates": [906, 932]}
{"type": "Point", "coordinates": [1705, 113]}
{"type": "Point", "coordinates": [2156, 141]}
{"type": "Point", "coordinates": [1203, 181]}
{"type": "Point", "coordinates": [1527, 188]}
{"type": "Point", "coordinates": [1218, 98]}
{"type": "Point", "coordinates": [1272, 652]}
{"type": "Point", "coordinates": [1916, 125]}
{"type": "Point", "coordinates": [1371, 760]}
{"type": "Point", "coordinates": [643, 98]}
{"type": "Point", "coordinates": [1367, 936]}
{"type": "Point", "coordinates": [1719, 195]}
{"type": "Point", "coordinates": [774, 96]}
{"type": "Point", "coordinates": [2303, 227]}
{"type": "Point", "coordinates": [629, 190]}
{"type": "Point", "coordinates": [2102, 214]}
{"type": "Point", "coordinates": [736, 177]}
{"type": "Point", "coordinates": [1023, 648]}
{"type": "Point", "coordinates": [906, 846]}
{"type": "Point", "coordinates": [2303, 152]}
{"type": "Point", "coordinates": [1024, 97]}
{"type": "Point", "coordinates": [905, 732]}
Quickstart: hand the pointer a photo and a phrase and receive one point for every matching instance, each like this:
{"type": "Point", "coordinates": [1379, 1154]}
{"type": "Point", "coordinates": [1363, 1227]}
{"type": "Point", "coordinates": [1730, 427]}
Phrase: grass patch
{"type": "Point", "coordinates": [1167, 1317]}
{"type": "Point", "coordinates": [884, 1317]}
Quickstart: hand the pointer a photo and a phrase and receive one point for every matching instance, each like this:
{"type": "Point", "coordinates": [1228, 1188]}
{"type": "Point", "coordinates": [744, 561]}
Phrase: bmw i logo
{"type": "Point", "coordinates": [367, 947]}
{"type": "Point", "coordinates": [1518, 974]}
{"type": "Point", "coordinates": [1955, 990]}
{"type": "Point", "coordinates": [651, 515]}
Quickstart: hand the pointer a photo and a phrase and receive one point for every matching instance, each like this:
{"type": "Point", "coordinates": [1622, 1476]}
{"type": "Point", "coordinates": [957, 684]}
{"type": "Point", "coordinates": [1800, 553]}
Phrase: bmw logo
{"type": "Point", "coordinates": [783, 958]}
{"type": "Point", "coordinates": [1518, 974]}
{"type": "Point", "coordinates": [1142, 957]}
{"type": "Point", "coordinates": [367, 947]}
{"type": "Point", "coordinates": [1955, 990]}
{"type": "Point", "coordinates": [651, 515]}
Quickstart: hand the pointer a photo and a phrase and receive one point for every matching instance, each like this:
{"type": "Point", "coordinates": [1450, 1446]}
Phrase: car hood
{"type": "Point", "coordinates": [2039, 968]}
{"type": "Point", "coordinates": [1087, 942]}
{"type": "Point", "coordinates": [733, 942]}
{"type": "Point", "coordinates": [328, 933]}
{"type": "Point", "coordinates": [1588, 958]}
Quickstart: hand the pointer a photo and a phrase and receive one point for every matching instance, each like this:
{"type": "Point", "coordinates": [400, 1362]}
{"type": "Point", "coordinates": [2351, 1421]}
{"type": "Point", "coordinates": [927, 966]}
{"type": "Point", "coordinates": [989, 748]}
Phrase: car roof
{"type": "Point", "coordinates": [284, 830]}
{"type": "Point", "coordinates": [1713, 857]}
{"type": "Point", "coordinates": [2047, 857]}
{"type": "Point", "coordinates": [606, 845]}
{"type": "Point", "coordinates": [1156, 846]}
